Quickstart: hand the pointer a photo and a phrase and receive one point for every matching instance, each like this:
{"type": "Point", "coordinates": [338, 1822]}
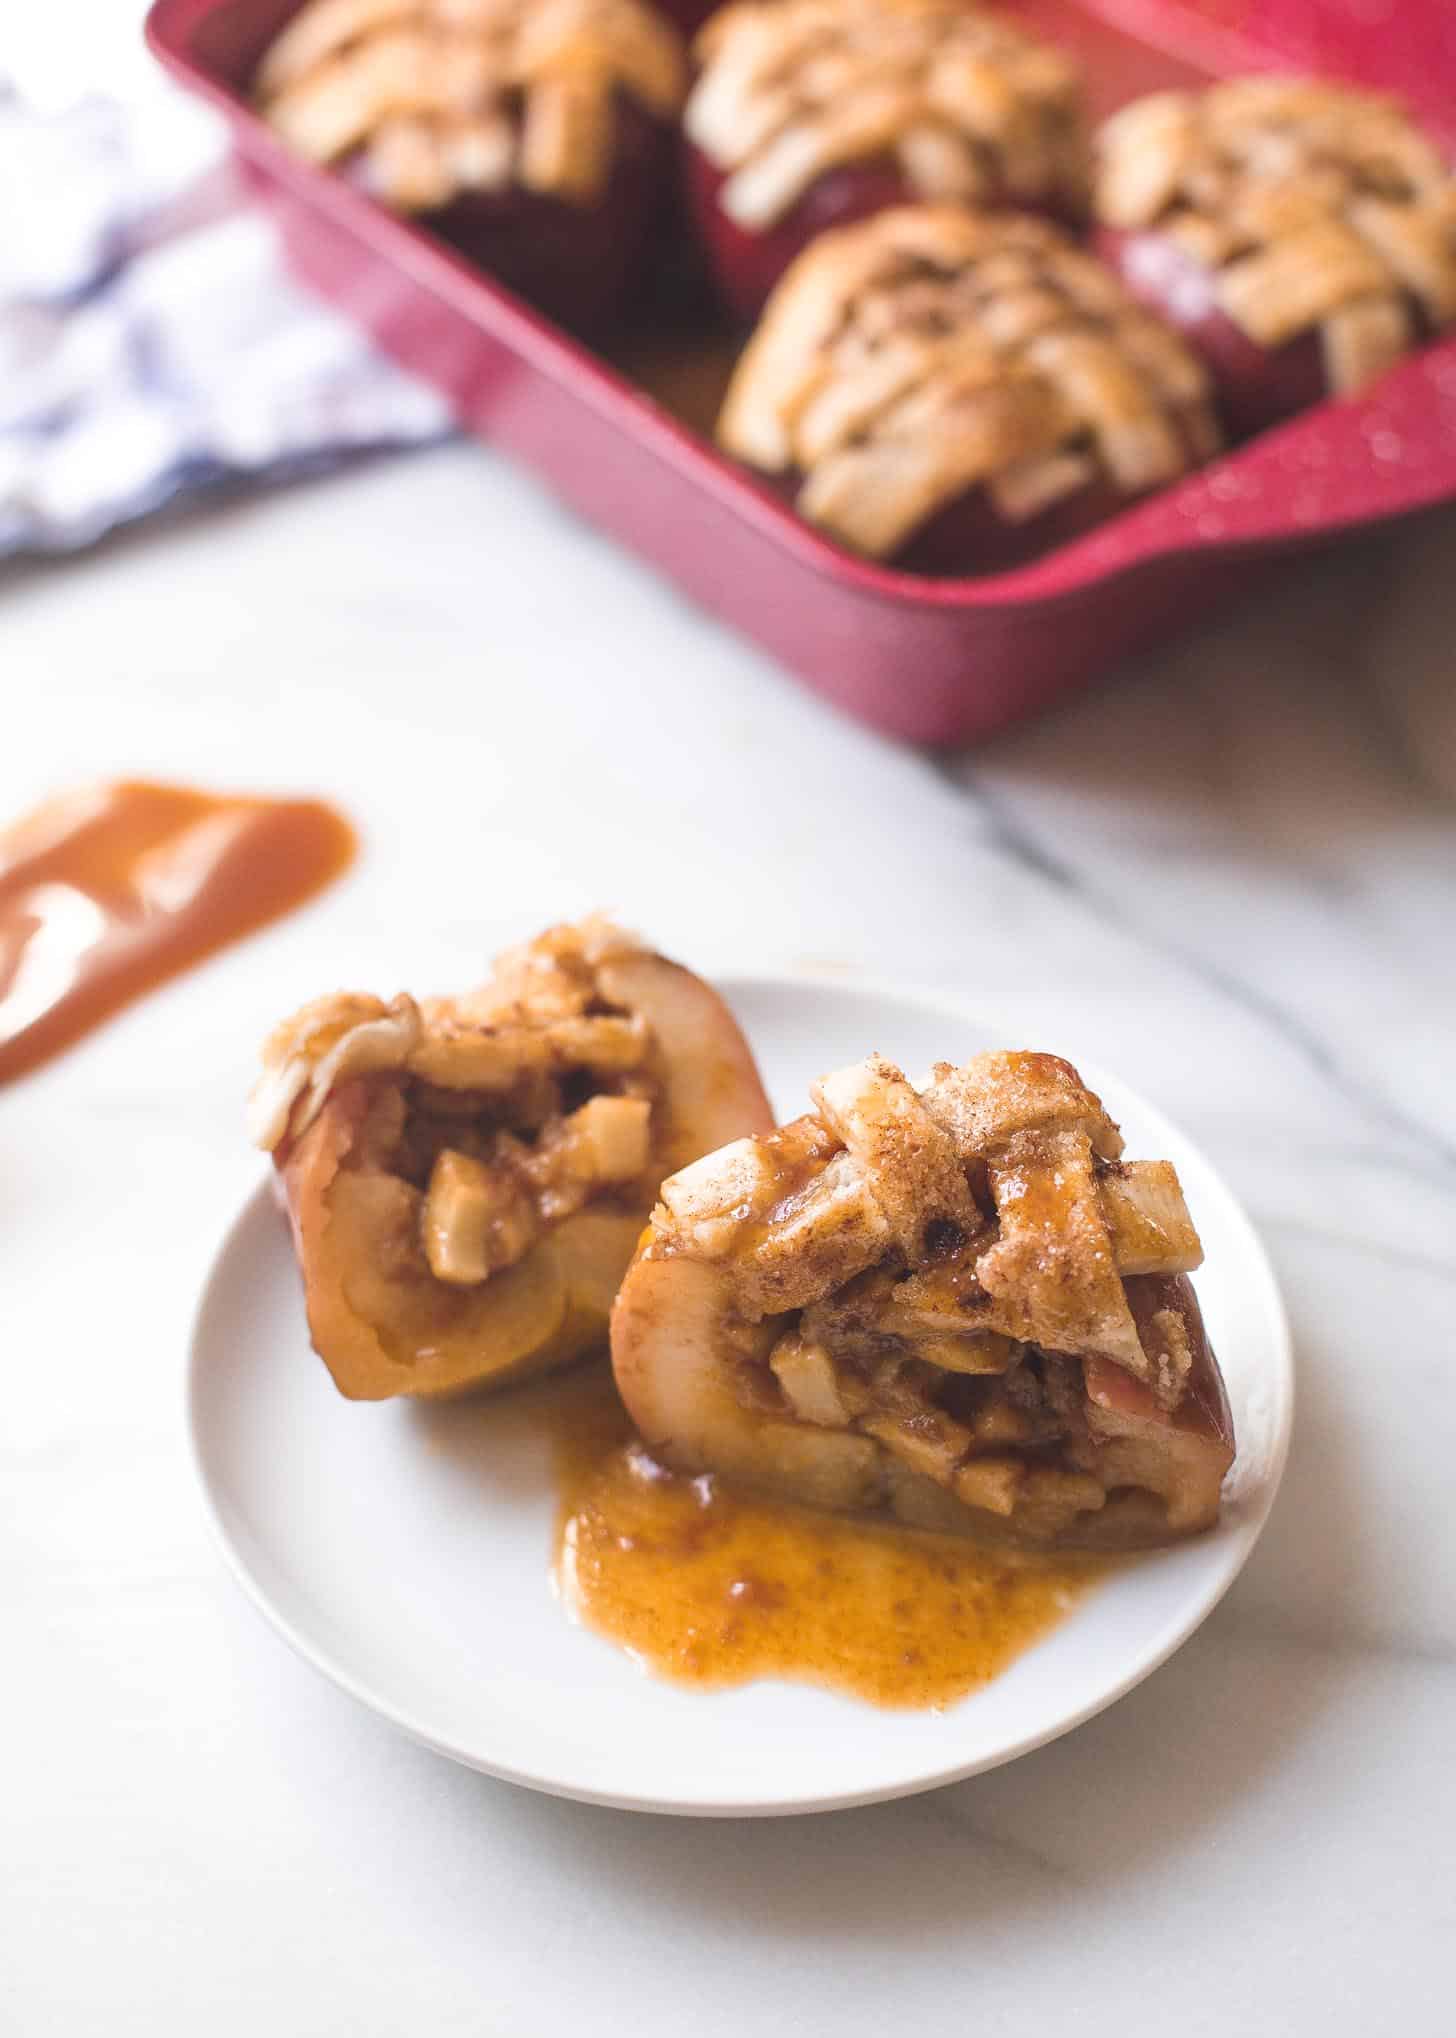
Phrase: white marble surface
{"type": "Point", "coordinates": [1230, 874]}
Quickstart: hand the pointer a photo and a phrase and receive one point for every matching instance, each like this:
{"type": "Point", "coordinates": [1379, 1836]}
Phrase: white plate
{"type": "Point", "coordinates": [404, 1550]}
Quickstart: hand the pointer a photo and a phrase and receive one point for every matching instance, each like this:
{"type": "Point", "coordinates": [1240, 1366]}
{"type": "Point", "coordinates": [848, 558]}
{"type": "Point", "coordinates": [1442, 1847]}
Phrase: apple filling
{"type": "Point", "coordinates": [466, 1177]}
{"type": "Point", "coordinates": [959, 1305]}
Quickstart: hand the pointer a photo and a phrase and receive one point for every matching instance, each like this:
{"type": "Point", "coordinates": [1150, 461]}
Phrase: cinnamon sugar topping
{"type": "Point", "coordinates": [971, 107]}
{"type": "Point", "coordinates": [450, 96]}
{"type": "Point", "coordinates": [962, 1293]}
{"type": "Point", "coordinates": [544, 1014]}
{"type": "Point", "coordinates": [1322, 208]}
{"type": "Point", "coordinates": [906, 360]}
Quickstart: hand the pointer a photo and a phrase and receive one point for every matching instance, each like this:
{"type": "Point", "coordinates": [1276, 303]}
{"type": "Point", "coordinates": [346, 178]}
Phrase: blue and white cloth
{"type": "Point", "coordinates": [151, 343]}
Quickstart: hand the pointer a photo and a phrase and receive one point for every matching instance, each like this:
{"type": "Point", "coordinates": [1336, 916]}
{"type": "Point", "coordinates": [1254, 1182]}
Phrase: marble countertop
{"type": "Point", "coordinates": [1230, 873]}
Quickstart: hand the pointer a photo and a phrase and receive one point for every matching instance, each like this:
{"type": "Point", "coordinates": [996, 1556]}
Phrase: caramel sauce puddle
{"type": "Point", "coordinates": [711, 1587]}
{"type": "Point", "coordinates": [109, 891]}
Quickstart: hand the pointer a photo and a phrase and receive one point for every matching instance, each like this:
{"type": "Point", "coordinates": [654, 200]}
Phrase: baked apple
{"type": "Point", "coordinates": [809, 114]}
{"type": "Point", "coordinates": [957, 1305]}
{"type": "Point", "coordinates": [466, 1177]}
{"type": "Point", "coordinates": [534, 139]}
{"type": "Point", "coordinates": [1301, 233]}
{"type": "Point", "coordinates": [955, 391]}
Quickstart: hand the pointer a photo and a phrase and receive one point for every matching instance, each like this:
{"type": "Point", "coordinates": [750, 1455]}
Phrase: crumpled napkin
{"type": "Point", "coordinates": [151, 343]}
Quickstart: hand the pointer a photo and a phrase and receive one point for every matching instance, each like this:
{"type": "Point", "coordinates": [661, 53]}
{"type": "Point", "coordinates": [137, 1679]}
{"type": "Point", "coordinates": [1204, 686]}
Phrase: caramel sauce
{"type": "Point", "coordinates": [107, 892]}
{"type": "Point", "coordinates": [711, 1587]}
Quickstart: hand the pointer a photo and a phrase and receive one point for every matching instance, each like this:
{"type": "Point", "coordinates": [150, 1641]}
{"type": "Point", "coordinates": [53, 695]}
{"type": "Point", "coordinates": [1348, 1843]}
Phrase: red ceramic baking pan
{"type": "Point", "coordinates": [934, 661]}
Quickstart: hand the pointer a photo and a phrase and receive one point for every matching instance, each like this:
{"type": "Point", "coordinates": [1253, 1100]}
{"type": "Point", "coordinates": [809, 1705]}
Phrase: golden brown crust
{"type": "Point", "coordinates": [467, 1177]}
{"type": "Point", "coordinates": [1322, 208]}
{"type": "Point", "coordinates": [1035, 1258]}
{"type": "Point", "coordinates": [449, 96]}
{"type": "Point", "coordinates": [955, 1302]}
{"type": "Point", "coordinates": [971, 107]}
{"type": "Point", "coordinates": [906, 360]}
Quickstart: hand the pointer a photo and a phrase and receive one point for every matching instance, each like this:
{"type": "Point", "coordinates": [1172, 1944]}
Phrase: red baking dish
{"type": "Point", "coordinates": [935, 661]}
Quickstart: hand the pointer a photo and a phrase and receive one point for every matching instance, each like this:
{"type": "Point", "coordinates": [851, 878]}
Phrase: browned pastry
{"type": "Point", "coordinates": [932, 352]}
{"type": "Point", "coordinates": [1293, 209]}
{"type": "Point", "coordinates": [447, 96]}
{"type": "Point", "coordinates": [467, 1177]}
{"type": "Point", "coordinates": [957, 1304]}
{"type": "Point", "coordinates": [970, 106]}
{"type": "Point", "coordinates": [533, 136]}
{"type": "Point", "coordinates": [810, 113]}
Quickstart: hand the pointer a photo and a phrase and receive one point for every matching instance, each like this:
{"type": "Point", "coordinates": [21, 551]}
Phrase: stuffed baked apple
{"type": "Point", "coordinates": [956, 1305]}
{"type": "Point", "coordinates": [535, 138]}
{"type": "Point", "coordinates": [1301, 233]}
{"type": "Point", "coordinates": [956, 391]}
{"type": "Point", "coordinates": [809, 114]}
{"type": "Point", "coordinates": [466, 1177]}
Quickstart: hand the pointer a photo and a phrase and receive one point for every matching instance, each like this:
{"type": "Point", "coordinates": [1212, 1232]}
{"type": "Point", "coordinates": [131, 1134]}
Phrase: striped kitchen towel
{"type": "Point", "coordinates": [151, 344]}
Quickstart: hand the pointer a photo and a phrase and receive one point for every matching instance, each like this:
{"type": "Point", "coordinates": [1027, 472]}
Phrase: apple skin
{"type": "Point", "coordinates": [383, 1330]}
{"type": "Point", "coordinates": [575, 263]}
{"type": "Point", "coordinates": [746, 265]}
{"type": "Point", "coordinates": [677, 1353]}
{"type": "Point", "coordinates": [1258, 386]}
{"type": "Point", "coordinates": [968, 538]}
{"type": "Point", "coordinates": [688, 16]}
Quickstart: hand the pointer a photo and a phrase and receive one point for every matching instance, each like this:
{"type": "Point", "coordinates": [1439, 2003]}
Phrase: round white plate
{"type": "Point", "coordinates": [404, 1549]}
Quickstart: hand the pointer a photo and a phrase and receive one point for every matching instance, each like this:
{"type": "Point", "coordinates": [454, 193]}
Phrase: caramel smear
{"type": "Point", "coordinates": [109, 891]}
{"type": "Point", "coordinates": [713, 1588]}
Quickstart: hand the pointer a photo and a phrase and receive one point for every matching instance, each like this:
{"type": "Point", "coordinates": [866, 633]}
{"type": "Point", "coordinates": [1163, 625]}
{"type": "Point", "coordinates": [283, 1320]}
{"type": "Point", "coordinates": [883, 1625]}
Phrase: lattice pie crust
{"type": "Point", "coordinates": [956, 1301]}
{"type": "Point", "coordinates": [971, 107]}
{"type": "Point", "coordinates": [906, 360]}
{"type": "Point", "coordinates": [445, 97]}
{"type": "Point", "coordinates": [1322, 208]}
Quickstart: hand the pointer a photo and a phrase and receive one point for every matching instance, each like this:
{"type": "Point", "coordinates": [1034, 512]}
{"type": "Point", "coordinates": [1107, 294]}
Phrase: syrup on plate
{"type": "Point", "coordinates": [713, 1587]}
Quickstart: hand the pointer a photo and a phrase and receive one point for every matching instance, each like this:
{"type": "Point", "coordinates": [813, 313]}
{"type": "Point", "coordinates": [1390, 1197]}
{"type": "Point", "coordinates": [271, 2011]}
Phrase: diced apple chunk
{"type": "Point", "coordinates": [1147, 1219]}
{"type": "Point", "coordinates": [976, 1351]}
{"type": "Point", "coordinates": [930, 1442]}
{"type": "Point", "coordinates": [1058, 1486]}
{"type": "Point", "coordinates": [1001, 1422]}
{"type": "Point", "coordinates": [611, 1138]}
{"type": "Point", "coordinates": [805, 1371]}
{"type": "Point", "coordinates": [476, 1220]}
{"type": "Point", "coordinates": [991, 1483]}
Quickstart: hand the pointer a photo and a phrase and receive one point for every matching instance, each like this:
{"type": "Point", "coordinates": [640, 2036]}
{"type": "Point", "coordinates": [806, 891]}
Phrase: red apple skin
{"type": "Point", "coordinates": [688, 16]}
{"type": "Point", "coordinates": [1258, 386]}
{"type": "Point", "coordinates": [575, 263]}
{"type": "Point", "coordinates": [968, 538]}
{"type": "Point", "coordinates": [745, 266]}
